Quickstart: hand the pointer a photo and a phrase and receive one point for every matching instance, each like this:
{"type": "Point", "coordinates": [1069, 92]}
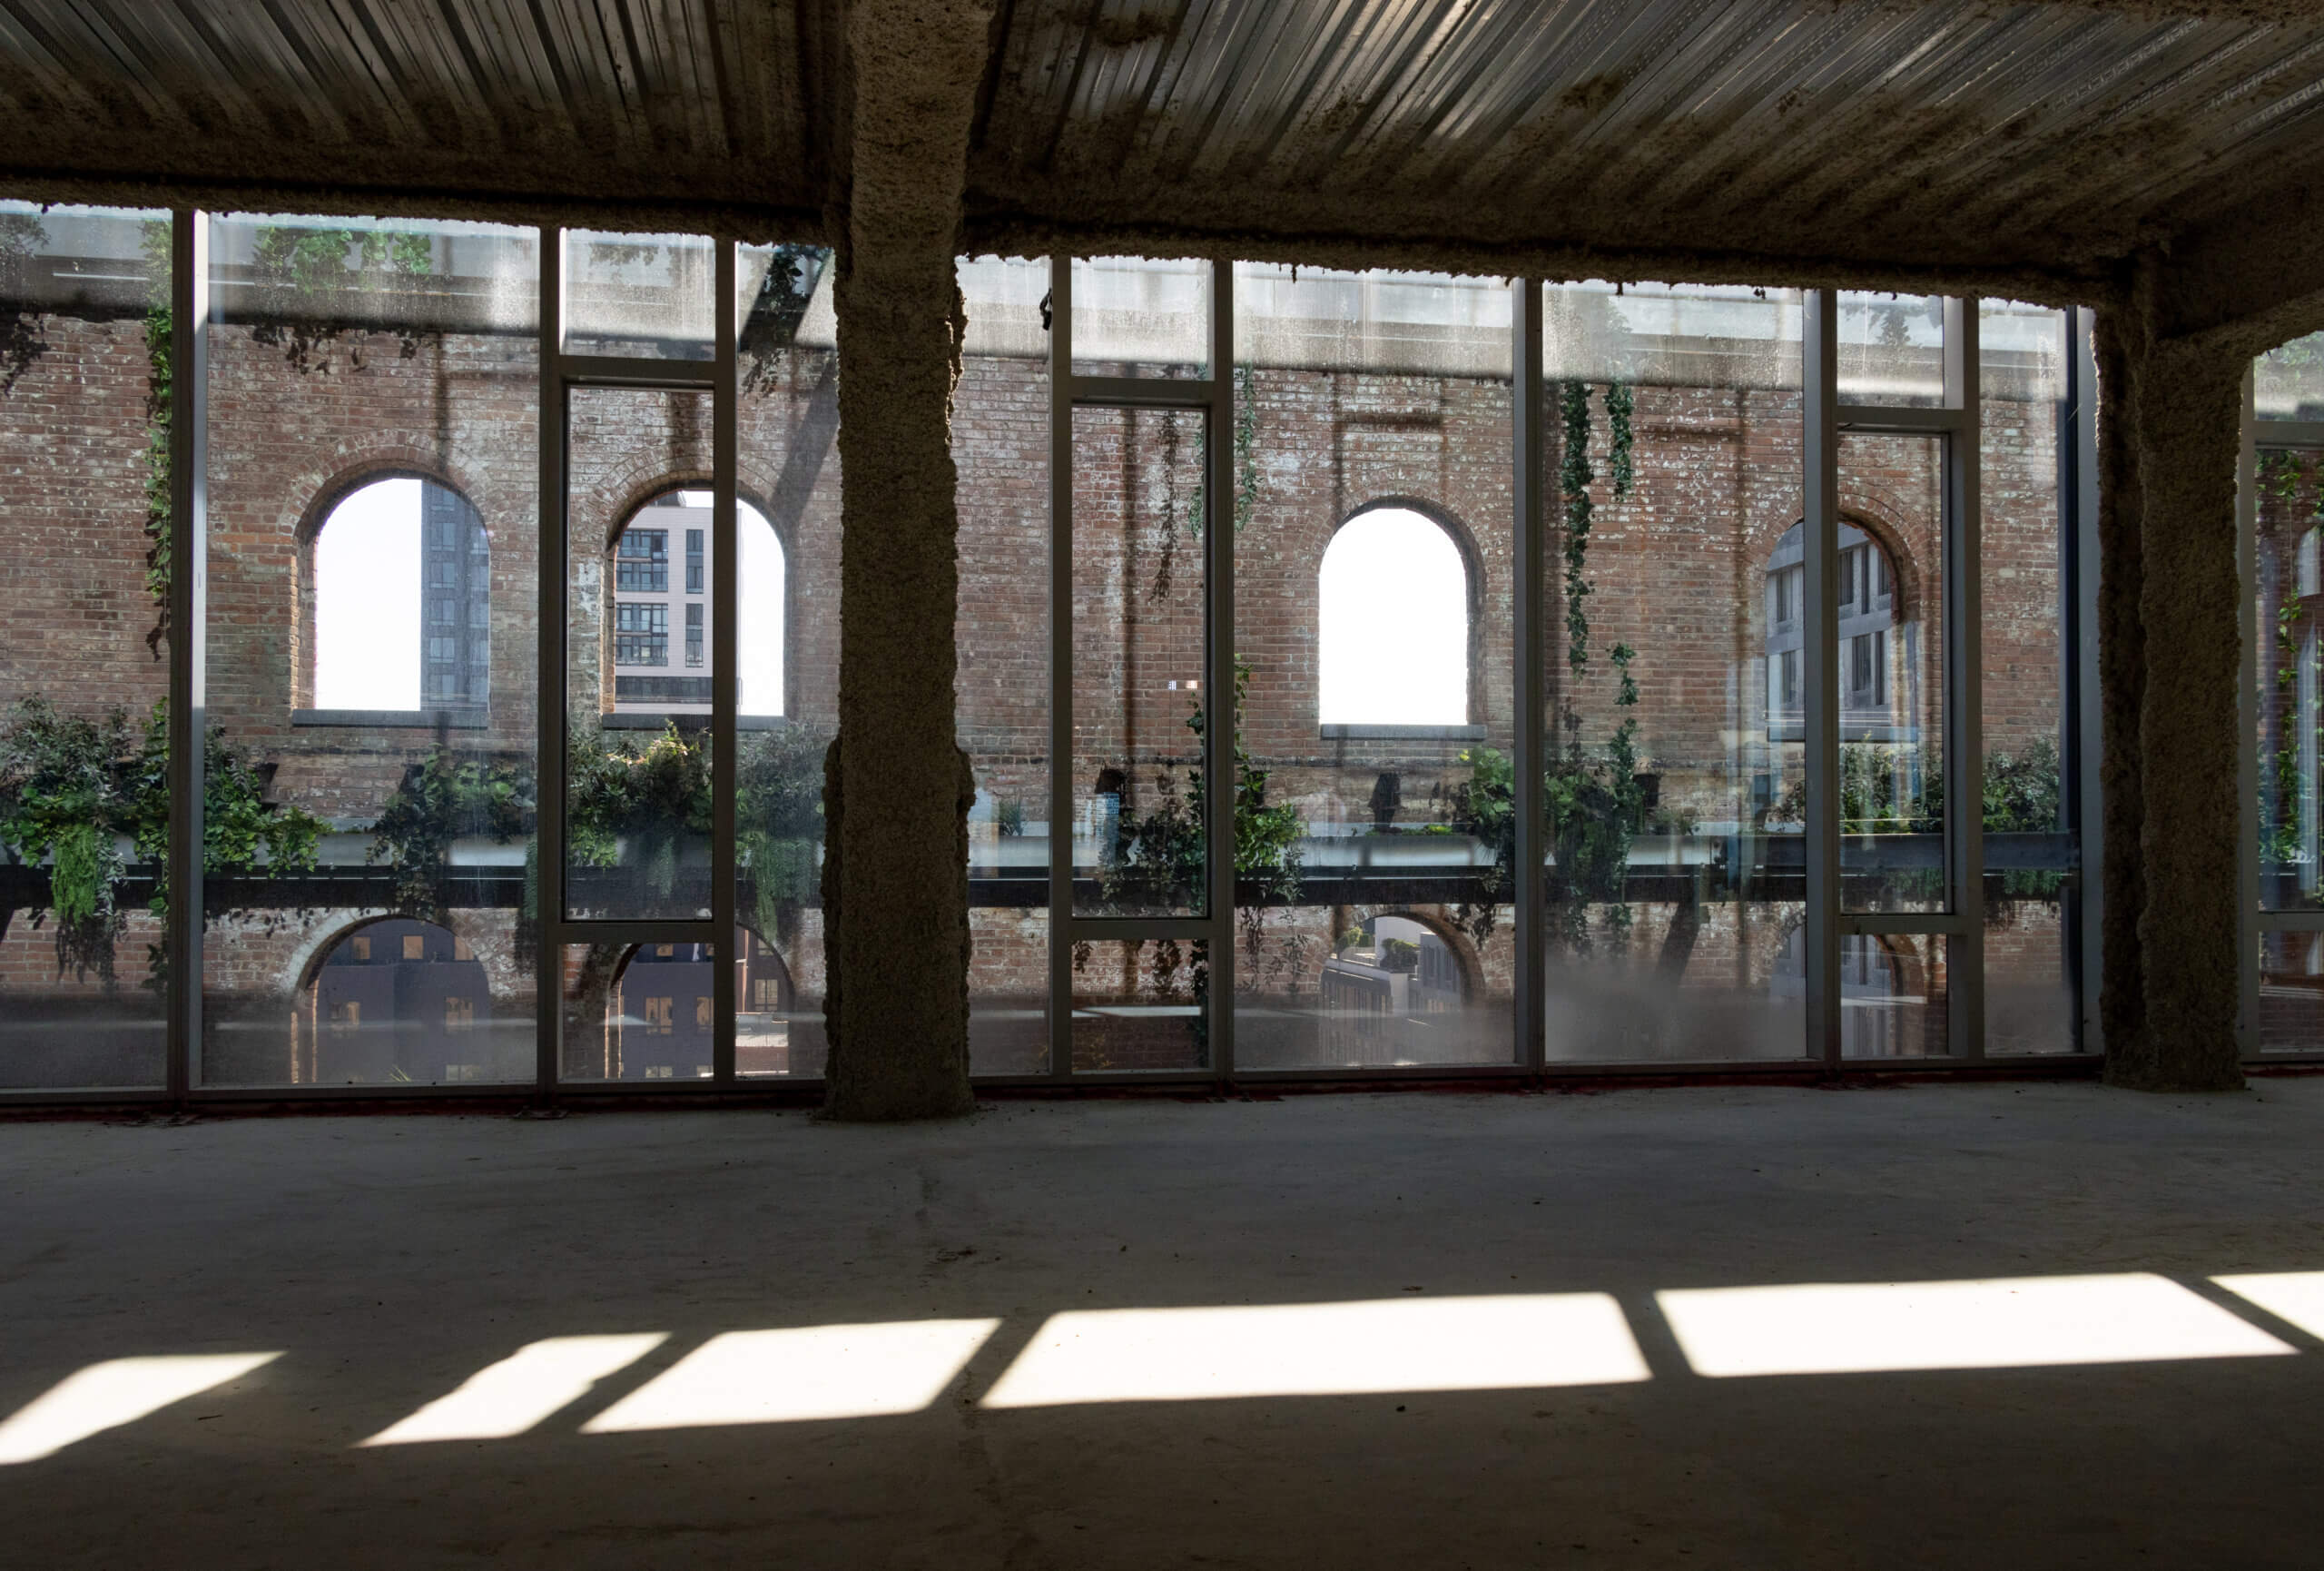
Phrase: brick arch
{"type": "Point", "coordinates": [398, 459]}
{"type": "Point", "coordinates": [1466, 958]}
{"type": "Point", "coordinates": [1910, 580]}
{"type": "Point", "coordinates": [1472, 573]}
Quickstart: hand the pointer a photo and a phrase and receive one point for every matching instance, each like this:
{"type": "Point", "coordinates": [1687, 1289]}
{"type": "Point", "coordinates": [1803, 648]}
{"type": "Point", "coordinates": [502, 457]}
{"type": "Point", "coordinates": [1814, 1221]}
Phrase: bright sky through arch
{"type": "Point", "coordinates": [366, 600]}
{"type": "Point", "coordinates": [1395, 624]}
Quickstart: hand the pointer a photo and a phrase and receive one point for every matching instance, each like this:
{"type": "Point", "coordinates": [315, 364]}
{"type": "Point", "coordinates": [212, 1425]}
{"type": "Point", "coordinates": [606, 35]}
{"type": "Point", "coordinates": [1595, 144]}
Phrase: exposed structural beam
{"type": "Point", "coordinates": [2251, 277]}
{"type": "Point", "coordinates": [898, 841]}
{"type": "Point", "coordinates": [2169, 618]}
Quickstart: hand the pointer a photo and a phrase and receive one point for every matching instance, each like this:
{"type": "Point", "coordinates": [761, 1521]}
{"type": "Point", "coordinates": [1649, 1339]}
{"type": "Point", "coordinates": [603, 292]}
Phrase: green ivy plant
{"type": "Point", "coordinates": [1158, 860]}
{"type": "Point", "coordinates": [72, 788]}
{"type": "Point", "coordinates": [296, 268]}
{"type": "Point", "coordinates": [441, 799]}
{"type": "Point", "coordinates": [20, 237]}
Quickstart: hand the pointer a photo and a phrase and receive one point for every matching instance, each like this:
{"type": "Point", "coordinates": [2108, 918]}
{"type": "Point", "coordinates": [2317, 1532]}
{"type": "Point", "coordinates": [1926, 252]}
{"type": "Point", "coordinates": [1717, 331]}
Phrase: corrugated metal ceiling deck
{"type": "Point", "coordinates": [1923, 130]}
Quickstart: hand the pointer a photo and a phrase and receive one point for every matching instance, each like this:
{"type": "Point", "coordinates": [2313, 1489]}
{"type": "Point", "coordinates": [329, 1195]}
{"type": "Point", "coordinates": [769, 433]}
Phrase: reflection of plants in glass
{"type": "Point", "coordinates": [71, 789]}
{"type": "Point", "coordinates": [1399, 955]}
{"type": "Point", "coordinates": [153, 243]}
{"type": "Point", "coordinates": [1009, 818]}
{"type": "Point", "coordinates": [441, 799]}
{"type": "Point", "coordinates": [779, 822]}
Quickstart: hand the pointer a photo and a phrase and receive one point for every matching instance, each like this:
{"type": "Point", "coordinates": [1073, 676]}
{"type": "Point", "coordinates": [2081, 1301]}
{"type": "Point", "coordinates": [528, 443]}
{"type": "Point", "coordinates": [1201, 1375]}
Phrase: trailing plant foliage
{"type": "Point", "coordinates": [2285, 788]}
{"type": "Point", "coordinates": [298, 272]}
{"type": "Point", "coordinates": [71, 789]}
{"type": "Point", "coordinates": [153, 241]}
{"type": "Point", "coordinates": [649, 794]}
{"type": "Point", "coordinates": [771, 326]}
{"type": "Point", "coordinates": [441, 799]}
{"type": "Point", "coordinates": [1158, 861]}
{"type": "Point", "coordinates": [1592, 803]}
{"type": "Point", "coordinates": [21, 236]}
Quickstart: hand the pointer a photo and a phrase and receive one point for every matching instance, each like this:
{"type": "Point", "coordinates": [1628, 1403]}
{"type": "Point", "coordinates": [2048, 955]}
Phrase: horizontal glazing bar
{"type": "Point", "coordinates": [1140, 393]}
{"type": "Point", "coordinates": [2290, 921]}
{"type": "Point", "coordinates": [1903, 922]}
{"type": "Point", "coordinates": [1887, 418]}
{"type": "Point", "coordinates": [694, 932]}
{"type": "Point", "coordinates": [621, 371]}
{"type": "Point", "coordinates": [1111, 929]}
{"type": "Point", "coordinates": [2287, 434]}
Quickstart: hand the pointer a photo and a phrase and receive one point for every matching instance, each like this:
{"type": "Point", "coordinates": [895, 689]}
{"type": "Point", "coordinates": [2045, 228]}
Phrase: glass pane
{"type": "Point", "coordinates": [1138, 1005]}
{"type": "Point", "coordinates": [1675, 869]}
{"type": "Point", "coordinates": [1892, 350]}
{"type": "Point", "coordinates": [2290, 592]}
{"type": "Point", "coordinates": [1892, 995]}
{"type": "Point", "coordinates": [1000, 449]}
{"type": "Point", "coordinates": [373, 466]}
{"type": "Point", "coordinates": [637, 763]}
{"type": "Point", "coordinates": [1373, 513]}
{"type": "Point", "coordinates": [1139, 629]}
{"type": "Point", "coordinates": [787, 651]}
{"type": "Point", "coordinates": [1133, 316]}
{"type": "Point", "coordinates": [647, 296]}
{"type": "Point", "coordinates": [2288, 381]}
{"type": "Point", "coordinates": [2291, 993]}
{"type": "Point", "coordinates": [83, 802]}
{"type": "Point", "coordinates": [2031, 880]}
{"type": "Point", "coordinates": [639, 1012]}
{"type": "Point", "coordinates": [1891, 651]}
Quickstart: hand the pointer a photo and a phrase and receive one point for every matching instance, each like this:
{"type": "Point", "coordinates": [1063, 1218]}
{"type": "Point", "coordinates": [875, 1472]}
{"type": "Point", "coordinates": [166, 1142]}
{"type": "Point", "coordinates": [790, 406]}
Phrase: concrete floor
{"type": "Point", "coordinates": [389, 1258]}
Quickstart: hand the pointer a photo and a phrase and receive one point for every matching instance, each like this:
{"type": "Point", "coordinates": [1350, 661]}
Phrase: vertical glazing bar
{"type": "Point", "coordinates": [725, 600]}
{"type": "Point", "coordinates": [1963, 687]}
{"type": "Point", "coordinates": [1218, 736]}
{"type": "Point", "coordinates": [188, 603]}
{"type": "Point", "coordinates": [549, 674]}
{"type": "Point", "coordinates": [1820, 453]}
{"type": "Point", "coordinates": [1532, 999]}
{"type": "Point", "coordinates": [2247, 750]}
{"type": "Point", "coordinates": [1060, 666]}
{"type": "Point", "coordinates": [2087, 739]}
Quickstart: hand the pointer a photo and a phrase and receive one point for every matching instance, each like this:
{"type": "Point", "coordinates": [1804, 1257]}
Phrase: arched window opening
{"type": "Point", "coordinates": [1381, 983]}
{"type": "Point", "coordinates": [408, 1001]}
{"type": "Point", "coordinates": [662, 1013]}
{"type": "Point", "coordinates": [403, 600]}
{"type": "Point", "coordinates": [662, 598]}
{"type": "Point", "coordinates": [1393, 623]}
{"type": "Point", "coordinates": [1876, 651]}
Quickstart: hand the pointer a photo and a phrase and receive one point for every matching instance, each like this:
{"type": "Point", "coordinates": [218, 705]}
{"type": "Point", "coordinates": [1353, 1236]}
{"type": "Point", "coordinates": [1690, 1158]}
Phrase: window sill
{"type": "Point", "coordinates": [1337, 732]}
{"type": "Point", "coordinates": [459, 719]}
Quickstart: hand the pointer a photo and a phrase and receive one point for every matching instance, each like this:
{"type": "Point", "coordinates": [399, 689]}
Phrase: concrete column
{"type": "Point", "coordinates": [2169, 601]}
{"type": "Point", "coordinates": [898, 965]}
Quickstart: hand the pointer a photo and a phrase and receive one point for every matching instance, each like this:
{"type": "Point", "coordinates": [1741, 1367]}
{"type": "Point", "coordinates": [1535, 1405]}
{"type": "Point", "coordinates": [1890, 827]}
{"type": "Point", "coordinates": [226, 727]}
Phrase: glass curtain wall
{"type": "Point", "coordinates": [1673, 674]}
{"type": "Point", "coordinates": [787, 593]}
{"type": "Point", "coordinates": [1000, 452]}
{"type": "Point", "coordinates": [1374, 550]}
{"type": "Point", "coordinates": [2033, 881]}
{"type": "Point", "coordinates": [372, 552]}
{"type": "Point", "coordinates": [85, 409]}
{"type": "Point", "coordinates": [2284, 1004]}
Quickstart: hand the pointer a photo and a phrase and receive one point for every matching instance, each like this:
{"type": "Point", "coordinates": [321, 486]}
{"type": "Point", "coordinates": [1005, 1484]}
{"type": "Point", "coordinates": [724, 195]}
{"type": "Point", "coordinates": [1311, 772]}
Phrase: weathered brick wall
{"type": "Point", "coordinates": [1677, 570]}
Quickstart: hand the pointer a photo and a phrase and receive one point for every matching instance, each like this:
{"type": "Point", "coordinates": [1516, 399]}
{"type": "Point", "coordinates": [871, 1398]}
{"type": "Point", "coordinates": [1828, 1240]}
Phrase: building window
{"type": "Point", "coordinates": [360, 948]}
{"type": "Point", "coordinates": [415, 946]}
{"type": "Point", "coordinates": [642, 564]}
{"type": "Point", "coordinates": [641, 634]}
{"type": "Point", "coordinates": [1393, 631]}
{"type": "Point", "coordinates": [346, 1018]}
{"type": "Point", "coordinates": [402, 576]}
{"type": "Point", "coordinates": [459, 1013]}
{"type": "Point", "coordinates": [658, 1016]}
{"type": "Point", "coordinates": [659, 675]}
{"type": "Point", "coordinates": [1874, 651]}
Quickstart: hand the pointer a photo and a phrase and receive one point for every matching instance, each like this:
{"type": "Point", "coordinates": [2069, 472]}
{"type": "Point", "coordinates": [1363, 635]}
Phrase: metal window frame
{"type": "Point", "coordinates": [1824, 417]}
{"type": "Point", "coordinates": [2253, 923]}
